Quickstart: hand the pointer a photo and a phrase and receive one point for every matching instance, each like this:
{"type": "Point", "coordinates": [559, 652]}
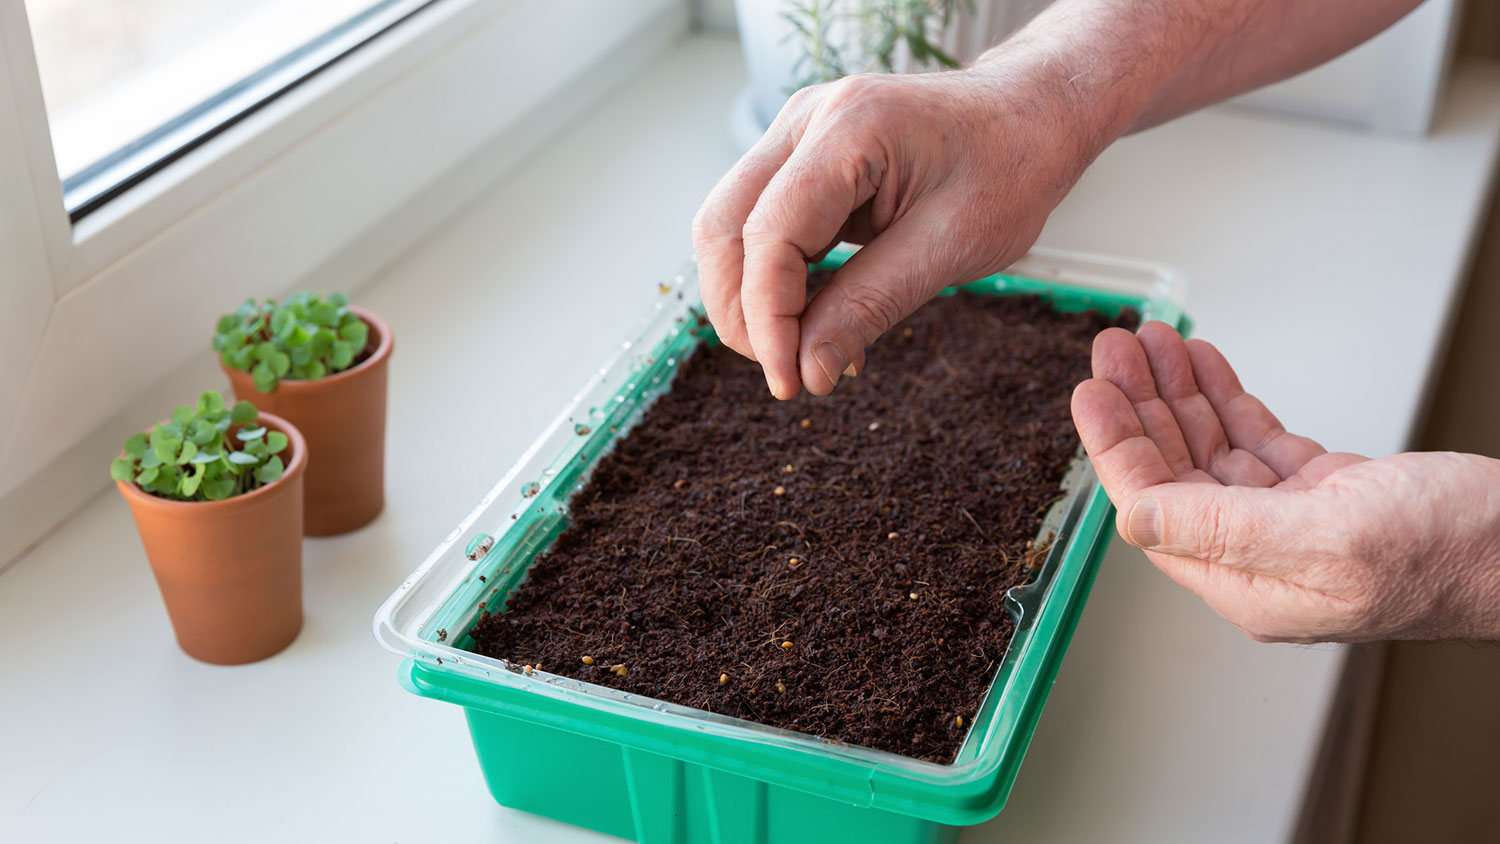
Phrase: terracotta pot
{"type": "Point", "coordinates": [230, 572]}
{"type": "Point", "coordinates": [343, 418]}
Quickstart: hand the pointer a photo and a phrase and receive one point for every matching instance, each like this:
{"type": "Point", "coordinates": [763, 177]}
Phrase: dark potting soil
{"type": "Point", "coordinates": [835, 566]}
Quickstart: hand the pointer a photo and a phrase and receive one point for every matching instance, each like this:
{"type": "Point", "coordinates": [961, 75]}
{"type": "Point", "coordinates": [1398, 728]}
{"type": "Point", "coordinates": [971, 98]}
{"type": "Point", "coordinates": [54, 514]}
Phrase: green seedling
{"type": "Point", "coordinates": [194, 457]}
{"type": "Point", "coordinates": [304, 338]}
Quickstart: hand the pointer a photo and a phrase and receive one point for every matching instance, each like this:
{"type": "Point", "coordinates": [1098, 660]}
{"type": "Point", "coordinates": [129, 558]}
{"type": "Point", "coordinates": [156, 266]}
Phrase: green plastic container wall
{"type": "Point", "coordinates": [656, 773]}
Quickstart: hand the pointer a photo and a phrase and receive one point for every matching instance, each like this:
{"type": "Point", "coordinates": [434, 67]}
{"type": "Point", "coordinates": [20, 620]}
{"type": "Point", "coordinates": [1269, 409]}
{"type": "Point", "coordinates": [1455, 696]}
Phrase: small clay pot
{"type": "Point", "coordinates": [230, 572]}
{"type": "Point", "coordinates": [343, 418]}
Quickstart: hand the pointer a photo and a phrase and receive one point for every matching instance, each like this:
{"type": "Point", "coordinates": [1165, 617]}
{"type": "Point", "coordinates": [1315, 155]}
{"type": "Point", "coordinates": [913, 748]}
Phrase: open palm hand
{"type": "Point", "coordinates": [1288, 541]}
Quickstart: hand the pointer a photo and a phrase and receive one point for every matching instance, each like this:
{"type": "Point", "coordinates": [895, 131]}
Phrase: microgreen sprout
{"type": "Point", "coordinates": [193, 457]}
{"type": "Point", "coordinates": [304, 338]}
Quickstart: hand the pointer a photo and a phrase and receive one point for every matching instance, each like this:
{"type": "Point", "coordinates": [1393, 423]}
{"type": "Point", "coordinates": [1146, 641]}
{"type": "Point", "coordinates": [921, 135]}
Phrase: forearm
{"type": "Point", "coordinates": [1117, 66]}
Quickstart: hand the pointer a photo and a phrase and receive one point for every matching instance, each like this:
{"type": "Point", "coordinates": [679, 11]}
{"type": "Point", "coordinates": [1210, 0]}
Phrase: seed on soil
{"type": "Point", "coordinates": [874, 426]}
{"type": "Point", "coordinates": [787, 643]}
{"type": "Point", "coordinates": [959, 720]}
{"type": "Point", "coordinates": [781, 490]}
{"type": "Point", "coordinates": [619, 669]}
{"type": "Point", "coordinates": [906, 332]}
{"type": "Point", "coordinates": [794, 562]}
{"type": "Point", "coordinates": [723, 678]}
{"type": "Point", "coordinates": [807, 423]}
{"type": "Point", "coordinates": [893, 535]}
{"type": "Point", "coordinates": [781, 687]}
{"type": "Point", "coordinates": [678, 484]}
{"type": "Point", "coordinates": [788, 468]}
{"type": "Point", "coordinates": [912, 596]}
{"type": "Point", "coordinates": [588, 660]}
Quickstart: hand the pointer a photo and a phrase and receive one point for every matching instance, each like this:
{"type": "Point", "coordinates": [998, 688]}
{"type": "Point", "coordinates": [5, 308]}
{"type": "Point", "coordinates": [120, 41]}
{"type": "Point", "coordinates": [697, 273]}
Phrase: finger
{"type": "Point", "coordinates": [802, 208]}
{"type": "Point", "coordinates": [718, 228]}
{"type": "Point", "coordinates": [1250, 528]}
{"type": "Point", "coordinates": [1119, 358]}
{"type": "Point", "coordinates": [1125, 459]}
{"type": "Point", "coordinates": [1247, 422]}
{"type": "Point", "coordinates": [1196, 417]}
{"type": "Point", "coordinates": [882, 284]}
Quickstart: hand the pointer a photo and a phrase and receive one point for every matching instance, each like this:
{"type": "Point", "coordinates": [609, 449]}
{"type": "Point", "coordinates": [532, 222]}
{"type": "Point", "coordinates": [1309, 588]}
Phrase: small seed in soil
{"type": "Point", "coordinates": [677, 484]}
{"type": "Point", "coordinates": [588, 660]}
{"type": "Point", "coordinates": [723, 678]}
{"type": "Point", "coordinates": [781, 490]}
{"type": "Point", "coordinates": [789, 468]}
{"type": "Point", "coordinates": [786, 644]}
{"type": "Point", "coordinates": [794, 562]}
{"type": "Point", "coordinates": [906, 332]}
{"type": "Point", "coordinates": [781, 687]}
{"type": "Point", "coordinates": [893, 535]}
{"type": "Point", "coordinates": [959, 720]}
{"type": "Point", "coordinates": [874, 426]}
{"type": "Point", "coordinates": [912, 596]}
{"type": "Point", "coordinates": [619, 669]}
{"type": "Point", "coordinates": [807, 423]}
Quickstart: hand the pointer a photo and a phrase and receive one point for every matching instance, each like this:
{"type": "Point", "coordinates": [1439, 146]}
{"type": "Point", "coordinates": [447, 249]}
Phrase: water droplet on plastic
{"type": "Point", "coordinates": [671, 361]}
{"type": "Point", "coordinates": [627, 344]}
{"type": "Point", "coordinates": [529, 490]}
{"type": "Point", "coordinates": [594, 411]}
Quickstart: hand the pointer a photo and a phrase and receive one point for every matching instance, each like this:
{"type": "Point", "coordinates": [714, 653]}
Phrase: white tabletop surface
{"type": "Point", "coordinates": [1323, 261]}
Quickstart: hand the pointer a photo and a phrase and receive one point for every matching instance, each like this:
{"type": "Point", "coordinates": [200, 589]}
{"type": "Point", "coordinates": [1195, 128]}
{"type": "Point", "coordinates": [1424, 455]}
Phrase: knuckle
{"type": "Point", "coordinates": [875, 308]}
{"type": "Point", "coordinates": [1213, 533]}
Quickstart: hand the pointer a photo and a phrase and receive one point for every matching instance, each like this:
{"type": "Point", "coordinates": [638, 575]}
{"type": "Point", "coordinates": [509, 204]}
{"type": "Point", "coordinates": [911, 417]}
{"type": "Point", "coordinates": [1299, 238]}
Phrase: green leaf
{"type": "Point", "coordinates": [243, 458]}
{"type": "Point", "coordinates": [280, 363]}
{"type": "Point", "coordinates": [264, 351]}
{"type": "Point", "coordinates": [338, 300]}
{"type": "Point", "coordinates": [275, 441]}
{"type": "Point", "coordinates": [189, 449]}
{"type": "Point", "coordinates": [323, 314]}
{"type": "Point", "coordinates": [249, 434]}
{"type": "Point", "coordinates": [265, 379]}
{"type": "Point", "coordinates": [355, 332]}
{"type": "Point", "coordinates": [201, 431]}
{"type": "Point", "coordinates": [136, 446]}
{"type": "Point", "coordinates": [191, 481]}
{"type": "Point", "coordinates": [218, 489]}
{"type": "Point", "coordinates": [166, 449]}
{"type": "Point", "coordinates": [122, 469]}
{"type": "Point", "coordinates": [343, 355]}
{"type": "Point", "coordinates": [257, 447]}
{"type": "Point", "coordinates": [210, 402]}
{"type": "Point", "coordinates": [147, 475]}
{"type": "Point", "coordinates": [279, 321]}
{"type": "Point", "coordinates": [240, 359]}
{"type": "Point", "coordinates": [322, 341]}
{"type": "Point", "coordinates": [150, 459]}
{"type": "Point", "coordinates": [243, 412]}
{"type": "Point", "coordinates": [270, 470]}
{"type": "Point", "coordinates": [315, 370]}
{"type": "Point", "coordinates": [206, 456]}
{"type": "Point", "coordinates": [225, 324]}
{"type": "Point", "coordinates": [302, 355]}
{"type": "Point", "coordinates": [182, 415]}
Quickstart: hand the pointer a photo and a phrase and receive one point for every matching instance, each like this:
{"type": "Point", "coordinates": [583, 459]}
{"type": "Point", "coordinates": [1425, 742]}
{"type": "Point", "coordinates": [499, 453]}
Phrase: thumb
{"type": "Point", "coordinates": [882, 284]}
{"type": "Point", "coordinates": [1249, 527]}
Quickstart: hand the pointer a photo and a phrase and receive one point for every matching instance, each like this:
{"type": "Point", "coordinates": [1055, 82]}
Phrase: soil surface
{"type": "Point", "coordinates": [835, 566]}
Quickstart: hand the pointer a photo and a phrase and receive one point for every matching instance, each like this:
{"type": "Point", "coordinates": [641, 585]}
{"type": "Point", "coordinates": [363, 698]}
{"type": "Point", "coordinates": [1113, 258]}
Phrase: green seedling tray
{"type": "Point", "coordinates": [658, 773]}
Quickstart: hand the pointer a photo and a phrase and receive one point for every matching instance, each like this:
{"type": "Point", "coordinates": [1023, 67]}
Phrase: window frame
{"type": "Point", "coordinates": [95, 314]}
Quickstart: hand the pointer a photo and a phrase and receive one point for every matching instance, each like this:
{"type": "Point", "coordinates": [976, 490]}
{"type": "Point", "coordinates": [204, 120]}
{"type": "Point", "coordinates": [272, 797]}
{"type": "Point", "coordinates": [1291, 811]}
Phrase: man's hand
{"type": "Point", "coordinates": [945, 179]}
{"type": "Point", "coordinates": [1286, 540]}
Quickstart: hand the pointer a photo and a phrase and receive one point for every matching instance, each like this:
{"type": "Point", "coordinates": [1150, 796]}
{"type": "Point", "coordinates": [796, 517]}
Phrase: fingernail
{"type": "Point", "coordinates": [850, 371]}
{"type": "Point", "coordinates": [1143, 525]}
{"type": "Point", "coordinates": [831, 360]}
{"type": "Point", "coordinates": [774, 385]}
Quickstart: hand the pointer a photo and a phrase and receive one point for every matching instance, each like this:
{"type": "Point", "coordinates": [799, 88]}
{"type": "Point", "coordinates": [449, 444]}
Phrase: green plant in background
{"type": "Point", "coordinates": [878, 29]}
{"type": "Point", "coordinates": [306, 337]}
{"type": "Point", "coordinates": [192, 457]}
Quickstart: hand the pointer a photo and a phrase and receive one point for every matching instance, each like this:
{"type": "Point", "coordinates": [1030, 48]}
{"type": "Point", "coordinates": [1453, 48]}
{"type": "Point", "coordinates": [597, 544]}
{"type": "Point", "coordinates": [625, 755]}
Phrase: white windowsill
{"type": "Point", "coordinates": [1310, 250]}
